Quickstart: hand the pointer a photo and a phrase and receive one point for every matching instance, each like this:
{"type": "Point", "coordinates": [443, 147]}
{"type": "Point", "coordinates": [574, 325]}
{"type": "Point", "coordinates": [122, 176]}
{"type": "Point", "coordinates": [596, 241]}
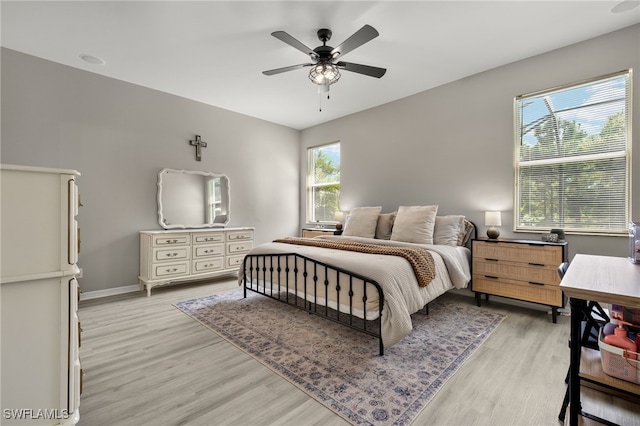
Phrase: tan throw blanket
{"type": "Point", "coordinates": [420, 259]}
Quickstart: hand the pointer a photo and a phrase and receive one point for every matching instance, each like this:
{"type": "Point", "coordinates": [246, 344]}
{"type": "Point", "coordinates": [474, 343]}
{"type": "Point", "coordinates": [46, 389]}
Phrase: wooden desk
{"type": "Point", "coordinates": [606, 279]}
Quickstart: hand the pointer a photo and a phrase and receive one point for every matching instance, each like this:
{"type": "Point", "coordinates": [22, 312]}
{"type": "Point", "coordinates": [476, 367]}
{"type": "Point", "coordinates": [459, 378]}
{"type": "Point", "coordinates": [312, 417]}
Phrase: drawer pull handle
{"type": "Point", "coordinates": [536, 264]}
{"type": "Point", "coordinates": [535, 283]}
{"type": "Point", "coordinates": [491, 276]}
{"type": "Point", "coordinates": [172, 270]}
{"type": "Point", "coordinates": [490, 260]}
{"type": "Point", "coordinates": [172, 241]}
{"type": "Point", "coordinates": [172, 254]}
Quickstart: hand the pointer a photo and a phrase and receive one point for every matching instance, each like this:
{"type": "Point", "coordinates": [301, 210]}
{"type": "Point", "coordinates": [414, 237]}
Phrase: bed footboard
{"type": "Point", "coordinates": [318, 288]}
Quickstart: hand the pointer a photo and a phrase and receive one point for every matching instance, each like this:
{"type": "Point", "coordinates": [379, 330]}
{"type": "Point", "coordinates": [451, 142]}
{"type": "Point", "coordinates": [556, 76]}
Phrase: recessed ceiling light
{"type": "Point", "coordinates": [94, 60]}
{"type": "Point", "coordinates": [625, 6]}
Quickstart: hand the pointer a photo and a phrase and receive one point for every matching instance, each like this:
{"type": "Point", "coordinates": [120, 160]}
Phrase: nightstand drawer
{"type": "Point", "coordinates": [538, 293]}
{"type": "Point", "coordinates": [530, 253]}
{"type": "Point", "coordinates": [517, 271]}
{"type": "Point", "coordinates": [310, 233]}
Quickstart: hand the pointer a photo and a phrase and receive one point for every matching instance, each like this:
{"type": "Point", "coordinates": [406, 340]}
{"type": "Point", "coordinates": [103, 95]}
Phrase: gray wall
{"type": "Point", "coordinates": [451, 145]}
{"type": "Point", "coordinates": [454, 145]}
{"type": "Point", "coordinates": [119, 136]}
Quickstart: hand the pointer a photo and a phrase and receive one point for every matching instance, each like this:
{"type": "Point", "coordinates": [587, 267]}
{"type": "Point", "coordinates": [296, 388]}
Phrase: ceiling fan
{"type": "Point", "coordinates": [324, 63]}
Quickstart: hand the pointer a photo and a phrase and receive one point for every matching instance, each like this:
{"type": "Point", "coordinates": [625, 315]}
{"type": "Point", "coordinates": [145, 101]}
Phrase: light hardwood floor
{"type": "Point", "coordinates": [147, 363]}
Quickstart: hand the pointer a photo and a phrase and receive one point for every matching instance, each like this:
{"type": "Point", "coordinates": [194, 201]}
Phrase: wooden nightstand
{"type": "Point", "coordinates": [314, 232]}
{"type": "Point", "coordinates": [519, 269]}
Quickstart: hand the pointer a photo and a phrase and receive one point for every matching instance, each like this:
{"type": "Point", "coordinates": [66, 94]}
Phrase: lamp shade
{"type": "Point", "coordinates": [492, 219]}
{"type": "Point", "coordinates": [338, 216]}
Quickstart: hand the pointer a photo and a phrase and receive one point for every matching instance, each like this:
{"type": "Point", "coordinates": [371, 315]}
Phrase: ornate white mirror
{"type": "Point", "coordinates": [191, 199]}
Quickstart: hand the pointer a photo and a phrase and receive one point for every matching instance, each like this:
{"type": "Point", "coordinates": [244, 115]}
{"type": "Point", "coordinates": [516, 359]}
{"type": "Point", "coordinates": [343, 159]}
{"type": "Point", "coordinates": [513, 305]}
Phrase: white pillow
{"type": "Point", "coordinates": [362, 222]}
{"type": "Point", "coordinates": [447, 229]}
{"type": "Point", "coordinates": [414, 224]}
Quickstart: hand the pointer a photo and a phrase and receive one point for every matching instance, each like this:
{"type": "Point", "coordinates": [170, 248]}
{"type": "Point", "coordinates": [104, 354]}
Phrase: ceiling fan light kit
{"type": "Point", "coordinates": [324, 73]}
{"type": "Point", "coordinates": [325, 69]}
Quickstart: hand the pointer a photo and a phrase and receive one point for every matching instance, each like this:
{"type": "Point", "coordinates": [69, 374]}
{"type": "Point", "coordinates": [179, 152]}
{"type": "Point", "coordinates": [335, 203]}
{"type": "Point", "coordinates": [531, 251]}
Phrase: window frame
{"type": "Point", "coordinates": [560, 160]}
{"type": "Point", "coordinates": [311, 185]}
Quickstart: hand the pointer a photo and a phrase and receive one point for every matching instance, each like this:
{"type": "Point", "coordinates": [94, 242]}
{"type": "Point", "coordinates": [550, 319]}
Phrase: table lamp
{"type": "Point", "coordinates": [338, 216]}
{"type": "Point", "coordinates": [492, 219]}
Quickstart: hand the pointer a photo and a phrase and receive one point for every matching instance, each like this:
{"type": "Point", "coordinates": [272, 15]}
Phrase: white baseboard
{"type": "Point", "coordinates": [109, 292]}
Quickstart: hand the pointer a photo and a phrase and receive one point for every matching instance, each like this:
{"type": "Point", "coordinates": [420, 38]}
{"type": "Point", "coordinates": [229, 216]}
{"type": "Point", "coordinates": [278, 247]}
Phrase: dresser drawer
{"type": "Point", "coordinates": [538, 293]}
{"type": "Point", "coordinates": [171, 239]}
{"type": "Point", "coordinates": [539, 274]}
{"type": "Point", "coordinates": [529, 253]}
{"type": "Point", "coordinates": [234, 262]}
{"type": "Point", "coordinates": [240, 235]}
{"type": "Point", "coordinates": [208, 250]}
{"type": "Point", "coordinates": [204, 238]}
{"type": "Point", "coordinates": [239, 247]}
{"type": "Point", "coordinates": [167, 270]}
{"type": "Point", "coordinates": [172, 253]}
{"type": "Point", "coordinates": [207, 265]}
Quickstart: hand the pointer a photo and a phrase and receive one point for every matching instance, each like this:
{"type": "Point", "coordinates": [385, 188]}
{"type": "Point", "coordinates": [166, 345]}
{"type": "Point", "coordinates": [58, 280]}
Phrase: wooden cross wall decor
{"type": "Point", "coordinates": [198, 143]}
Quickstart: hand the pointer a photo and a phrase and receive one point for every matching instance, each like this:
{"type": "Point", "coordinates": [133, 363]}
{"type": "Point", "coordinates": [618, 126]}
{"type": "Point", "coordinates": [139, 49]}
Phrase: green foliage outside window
{"type": "Point", "coordinates": [324, 183]}
{"type": "Point", "coordinates": [573, 159]}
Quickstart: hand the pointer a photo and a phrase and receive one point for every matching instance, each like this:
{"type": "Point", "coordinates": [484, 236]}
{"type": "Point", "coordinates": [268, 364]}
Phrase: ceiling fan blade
{"type": "Point", "coordinates": [285, 69]}
{"type": "Point", "coordinates": [360, 37]}
{"type": "Point", "coordinates": [285, 37]}
{"type": "Point", "coordinates": [362, 69]}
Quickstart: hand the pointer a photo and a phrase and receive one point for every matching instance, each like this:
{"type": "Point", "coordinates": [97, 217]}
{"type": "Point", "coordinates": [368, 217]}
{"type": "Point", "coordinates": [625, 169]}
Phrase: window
{"type": "Point", "coordinates": [323, 183]}
{"type": "Point", "coordinates": [573, 159]}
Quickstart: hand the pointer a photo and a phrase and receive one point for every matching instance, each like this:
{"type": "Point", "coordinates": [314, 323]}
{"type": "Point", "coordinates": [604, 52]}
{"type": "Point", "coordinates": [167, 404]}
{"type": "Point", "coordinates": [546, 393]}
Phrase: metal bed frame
{"type": "Point", "coordinates": [268, 269]}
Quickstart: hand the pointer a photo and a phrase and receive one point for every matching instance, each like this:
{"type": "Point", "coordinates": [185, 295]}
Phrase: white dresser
{"type": "Point", "coordinates": [40, 338]}
{"type": "Point", "coordinates": [169, 256]}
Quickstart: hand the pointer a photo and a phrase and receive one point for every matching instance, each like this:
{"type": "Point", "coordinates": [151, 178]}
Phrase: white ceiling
{"type": "Point", "coordinates": [215, 51]}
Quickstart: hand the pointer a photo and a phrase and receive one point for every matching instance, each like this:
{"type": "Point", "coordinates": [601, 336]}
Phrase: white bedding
{"type": "Point", "coordinates": [402, 294]}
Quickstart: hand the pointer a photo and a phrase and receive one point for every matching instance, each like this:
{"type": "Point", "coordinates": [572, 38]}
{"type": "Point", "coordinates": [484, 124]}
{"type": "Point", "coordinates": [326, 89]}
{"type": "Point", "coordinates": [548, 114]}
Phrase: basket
{"type": "Point", "coordinates": [616, 362]}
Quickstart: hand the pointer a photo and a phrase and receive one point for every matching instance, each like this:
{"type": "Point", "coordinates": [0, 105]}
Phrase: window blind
{"type": "Point", "coordinates": [573, 157]}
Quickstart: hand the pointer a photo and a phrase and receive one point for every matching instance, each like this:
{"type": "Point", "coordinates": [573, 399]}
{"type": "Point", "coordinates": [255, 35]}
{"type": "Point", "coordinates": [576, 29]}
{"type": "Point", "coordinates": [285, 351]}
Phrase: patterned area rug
{"type": "Point", "coordinates": [340, 367]}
